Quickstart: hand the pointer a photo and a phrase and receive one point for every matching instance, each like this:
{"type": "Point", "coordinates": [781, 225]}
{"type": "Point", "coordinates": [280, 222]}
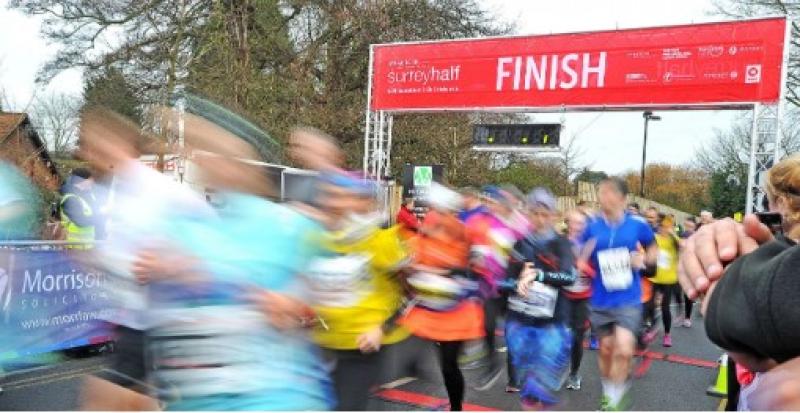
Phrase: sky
{"type": "Point", "coordinates": [612, 142]}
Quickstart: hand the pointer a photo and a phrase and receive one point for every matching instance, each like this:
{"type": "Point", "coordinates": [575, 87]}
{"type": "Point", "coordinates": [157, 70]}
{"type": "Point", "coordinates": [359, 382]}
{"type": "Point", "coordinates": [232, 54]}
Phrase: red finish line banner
{"type": "Point", "coordinates": [730, 62]}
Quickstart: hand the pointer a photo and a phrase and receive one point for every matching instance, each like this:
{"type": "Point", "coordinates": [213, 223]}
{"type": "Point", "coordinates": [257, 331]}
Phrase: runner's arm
{"type": "Point", "coordinates": [566, 274]}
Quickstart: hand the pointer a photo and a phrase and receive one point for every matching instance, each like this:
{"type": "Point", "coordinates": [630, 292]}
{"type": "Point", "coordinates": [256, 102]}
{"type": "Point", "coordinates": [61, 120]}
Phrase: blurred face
{"type": "Point", "coordinates": [103, 147]}
{"type": "Point", "coordinates": [610, 199]}
{"type": "Point", "coordinates": [542, 219]}
{"type": "Point", "coordinates": [666, 227]}
{"type": "Point", "coordinates": [633, 210]}
{"type": "Point", "coordinates": [576, 224]}
{"type": "Point", "coordinates": [706, 218]}
{"type": "Point", "coordinates": [313, 152]}
{"type": "Point", "coordinates": [336, 201]}
{"type": "Point", "coordinates": [689, 225]}
{"type": "Point", "coordinates": [498, 209]}
{"type": "Point", "coordinates": [652, 217]}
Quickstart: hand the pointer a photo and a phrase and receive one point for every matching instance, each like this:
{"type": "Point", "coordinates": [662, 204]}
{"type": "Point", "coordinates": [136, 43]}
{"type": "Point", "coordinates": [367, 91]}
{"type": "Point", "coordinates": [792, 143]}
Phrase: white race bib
{"type": "Point", "coordinates": [540, 302]}
{"type": "Point", "coordinates": [339, 281]}
{"type": "Point", "coordinates": [204, 351]}
{"type": "Point", "coordinates": [615, 268]}
{"type": "Point", "coordinates": [664, 259]}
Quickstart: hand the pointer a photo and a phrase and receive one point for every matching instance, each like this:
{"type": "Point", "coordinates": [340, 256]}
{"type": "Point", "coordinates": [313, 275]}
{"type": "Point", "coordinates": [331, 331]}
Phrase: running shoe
{"type": "Point", "coordinates": [667, 340]}
{"type": "Point", "coordinates": [605, 404]}
{"type": "Point", "coordinates": [650, 336]}
{"type": "Point", "coordinates": [490, 378]}
{"type": "Point", "coordinates": [594, 344]}
{"type": "Point", "coordinates": [574, 382]}
{"type": "Point", "coordinates": [512, 389]}
{"type": "Point", "coordinates": [687, 323]}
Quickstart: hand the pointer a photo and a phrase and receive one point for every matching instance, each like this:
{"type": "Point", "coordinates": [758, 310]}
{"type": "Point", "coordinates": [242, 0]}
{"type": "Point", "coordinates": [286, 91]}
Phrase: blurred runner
{"type": "Point", "coordinates": [473, 204]}
{"type": "Point", "coordinates": [19, 205]}
{"type": "Point", "coordinates": [612, 241]}
{"type": "Point", "coordinates": [578, 295]}
{"type": "Point", "coordinates": [537, 327]}
{"type": "Point", "coordinates": [144, 199]}
{"type": "Point", "coordinates": [666, 280]}
{"type": "Point", "coordinates": [445, 306]}
{"type": "Point", "coordinates": [492, 238]}
{"type": "Point", "coordinates": [229, 321]}
{"type": "Point", "coordinates": [355, 286]}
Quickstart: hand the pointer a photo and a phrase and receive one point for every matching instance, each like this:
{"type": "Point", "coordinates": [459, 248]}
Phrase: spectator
{"type": "Point", "coordinates": [78, 208]}
{"type": "Point", "coordinates": [752, 311]}
{"type": "Point", "coordinates": [633, 208]}
{"type": "Point", "coordinates": [408, 221]}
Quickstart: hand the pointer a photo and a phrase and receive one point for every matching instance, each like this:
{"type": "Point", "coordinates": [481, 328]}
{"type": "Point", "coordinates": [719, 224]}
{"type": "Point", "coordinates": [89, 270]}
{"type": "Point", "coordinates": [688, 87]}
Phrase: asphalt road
{"type": "Point", "coordinates": [673, 379]}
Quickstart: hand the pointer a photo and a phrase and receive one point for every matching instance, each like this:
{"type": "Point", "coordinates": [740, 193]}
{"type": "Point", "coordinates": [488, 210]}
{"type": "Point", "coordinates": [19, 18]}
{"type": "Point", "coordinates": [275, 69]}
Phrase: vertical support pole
{"type": "Point", "coordinates": [379, 144]}
{"type": "Point", "coordinates": [368, 113]}
{"type": "Point", "coordinates": [390, 120]}
{"type": "Point", "coordinates": [751, 173]}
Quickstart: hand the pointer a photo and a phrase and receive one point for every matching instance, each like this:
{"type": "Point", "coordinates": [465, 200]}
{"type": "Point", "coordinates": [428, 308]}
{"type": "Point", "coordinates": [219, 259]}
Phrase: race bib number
{"type": "Point", "coordinates": [339, 281]}
{"type": "Point", "coordinates": [615, 269]}
{"type": "Point", "coordinates": [540, 302]}
{"type": "Point", "coordinates": [664, 260]}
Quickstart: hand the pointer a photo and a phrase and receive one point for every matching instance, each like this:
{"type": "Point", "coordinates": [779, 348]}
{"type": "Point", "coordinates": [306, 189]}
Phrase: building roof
{"type": "Point", "coordinates": [10, 121]}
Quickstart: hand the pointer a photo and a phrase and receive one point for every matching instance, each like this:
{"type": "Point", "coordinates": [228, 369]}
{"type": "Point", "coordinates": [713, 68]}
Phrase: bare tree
{"type": "Point", "coordinates": [55, 116]}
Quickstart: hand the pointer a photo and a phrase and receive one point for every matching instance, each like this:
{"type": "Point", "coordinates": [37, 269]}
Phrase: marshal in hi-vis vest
{"type": "Point", "coordinates": [75, 232]}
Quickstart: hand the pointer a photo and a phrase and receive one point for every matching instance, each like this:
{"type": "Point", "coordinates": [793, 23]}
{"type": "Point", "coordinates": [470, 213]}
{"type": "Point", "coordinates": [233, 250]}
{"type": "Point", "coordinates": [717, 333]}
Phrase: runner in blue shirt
{"type": "Point", "coordinates": [614, 242]}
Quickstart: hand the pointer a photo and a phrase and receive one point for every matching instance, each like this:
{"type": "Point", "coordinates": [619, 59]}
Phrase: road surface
{"type": "Point", "coordinates": [672, 379]}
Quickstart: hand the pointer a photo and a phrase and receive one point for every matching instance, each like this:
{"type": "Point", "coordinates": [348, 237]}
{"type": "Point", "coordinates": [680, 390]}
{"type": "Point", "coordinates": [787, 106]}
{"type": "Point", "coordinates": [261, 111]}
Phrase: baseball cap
{"type": "Point", "coordinates": [541, 198]}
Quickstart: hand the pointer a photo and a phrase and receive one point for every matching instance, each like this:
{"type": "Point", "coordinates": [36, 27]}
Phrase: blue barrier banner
{"type": "Point", "coordinates": [50, 301]}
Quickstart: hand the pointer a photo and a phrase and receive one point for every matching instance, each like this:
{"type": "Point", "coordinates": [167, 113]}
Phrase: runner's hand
{"type": "Point", "coordinates": [370, 341]}
{"type": "Point", "coordinates": [527, 276]}
{"type": "Point", "coordinates": [704, 253]}
{"type": "Point", "coordinates": [282, 311]}
{"type": "Point", "coordinates": [637, 260]}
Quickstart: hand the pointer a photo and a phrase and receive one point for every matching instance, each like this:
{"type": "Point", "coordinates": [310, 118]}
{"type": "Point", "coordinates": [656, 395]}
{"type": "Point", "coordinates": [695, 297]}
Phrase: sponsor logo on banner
{"type": "Point", "coordinates": [50, 302]}
{"type": "Point", "coordinates": [752, 74]}
{"type": "Point", "coordinates": [637, 78]}
{"type": "Point", "coordinates": [675, 53]}
{"type": "Point", "coordinates": [732, 50]}
{"type": "Point", "coordinates": [640, 54]}
{"type": "Point", "coordinates": [711, 51]}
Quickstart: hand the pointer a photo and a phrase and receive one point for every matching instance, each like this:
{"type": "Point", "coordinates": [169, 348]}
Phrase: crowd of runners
{"type": "Point", "coordinates": [249, 304]}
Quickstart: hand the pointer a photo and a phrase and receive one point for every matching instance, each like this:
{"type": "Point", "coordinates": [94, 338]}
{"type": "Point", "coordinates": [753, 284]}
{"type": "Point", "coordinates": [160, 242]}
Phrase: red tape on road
{"type": "Point", "coordinates": [423, 400]}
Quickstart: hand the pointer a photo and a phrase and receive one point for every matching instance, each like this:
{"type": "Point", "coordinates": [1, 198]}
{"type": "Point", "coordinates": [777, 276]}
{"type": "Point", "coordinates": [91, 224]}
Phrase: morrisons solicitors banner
{"type": "Point", "coordinates": [49, 301]}
{"type": "Point", "coordinates": [702, 64]}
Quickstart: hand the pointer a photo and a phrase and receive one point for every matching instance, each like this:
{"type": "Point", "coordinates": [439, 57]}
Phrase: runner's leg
{"type": "Point", "coordinates": [666, 292]}
{"type": "Point", "coordinates": [354, 375]}
{"type": "Point", "coordinates": [578, 325]}
{"type": "Point", "coordinates": [453, 379]}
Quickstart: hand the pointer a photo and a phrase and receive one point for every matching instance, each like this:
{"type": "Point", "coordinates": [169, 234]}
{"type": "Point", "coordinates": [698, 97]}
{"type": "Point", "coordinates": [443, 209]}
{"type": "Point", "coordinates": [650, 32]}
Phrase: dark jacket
{"type": "Point", "coordinates": [754, 308]}
{"type": "Point", "coordinates": [555, 257]}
